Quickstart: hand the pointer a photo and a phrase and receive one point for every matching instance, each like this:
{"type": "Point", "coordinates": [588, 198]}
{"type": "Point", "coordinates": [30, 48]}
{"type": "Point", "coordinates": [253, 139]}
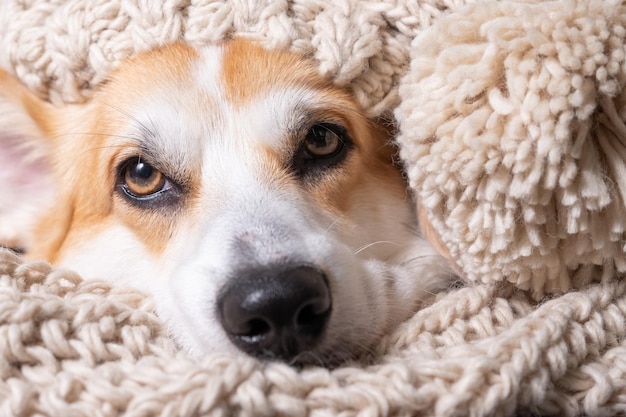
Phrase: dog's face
{"type": "Point", "coordinates": [247, 194]}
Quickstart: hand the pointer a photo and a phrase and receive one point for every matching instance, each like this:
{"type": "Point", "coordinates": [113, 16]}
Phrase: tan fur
{"type": "Point", "coordinates": [371, 160]}
{"type": "Point", "coordinates": [271, 68]}
{"type": "Point", "coordinates": [431, 234]}
{"type": "Point", "coordinates": [80, 139]}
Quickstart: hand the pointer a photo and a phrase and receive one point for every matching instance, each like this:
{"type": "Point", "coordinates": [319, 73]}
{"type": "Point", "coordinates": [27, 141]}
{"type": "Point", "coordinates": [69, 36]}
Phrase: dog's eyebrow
{"type": "Point", "coordinates": [307, 116]}
{"type": "Point", "coordinates": [167, 154]}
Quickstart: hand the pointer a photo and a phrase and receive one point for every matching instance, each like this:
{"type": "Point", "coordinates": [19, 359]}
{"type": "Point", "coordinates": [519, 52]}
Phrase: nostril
{"type": "Point", "coordinates": [239, 315]}
{"type": "Point", "coordinates": [257, 328]}
{"type": "Point", "coordinates": [313, 315]}
{"type": "Point", "coordinates": [276, 312]}
{"type": "Point", "coordinates": [252, 331]}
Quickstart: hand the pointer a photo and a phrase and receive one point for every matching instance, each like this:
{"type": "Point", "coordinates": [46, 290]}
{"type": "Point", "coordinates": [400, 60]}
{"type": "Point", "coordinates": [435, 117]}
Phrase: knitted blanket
{"type": "Point", "coordinates": [511, 126]}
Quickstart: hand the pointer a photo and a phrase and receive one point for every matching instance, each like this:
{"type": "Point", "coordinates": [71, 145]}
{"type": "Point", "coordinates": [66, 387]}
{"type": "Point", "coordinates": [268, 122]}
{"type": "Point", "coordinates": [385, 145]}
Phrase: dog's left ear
{"type": "Point", "coordinates": [26, 183]}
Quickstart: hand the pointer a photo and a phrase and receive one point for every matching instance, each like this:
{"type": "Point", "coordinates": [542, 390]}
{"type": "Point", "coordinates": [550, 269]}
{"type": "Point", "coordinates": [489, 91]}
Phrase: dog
{"type": "Point", "coordinates": [246, 193]}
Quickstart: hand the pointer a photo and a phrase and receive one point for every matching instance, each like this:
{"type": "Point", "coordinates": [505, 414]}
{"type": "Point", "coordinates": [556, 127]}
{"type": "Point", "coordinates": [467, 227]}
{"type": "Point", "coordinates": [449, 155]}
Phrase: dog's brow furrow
{"type": "Point", "coordinates": [174, 163]}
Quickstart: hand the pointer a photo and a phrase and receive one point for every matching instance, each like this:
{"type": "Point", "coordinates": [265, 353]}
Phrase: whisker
{"type": "Point", "coordinates": [95, 134]}
{"type": "Point", "coordinates": [123, 112]}
{"type": "Point", "coordinates": [433, 256]}
{"type": "Point", "coordinates": [95, 148]}
{"type": "Point", "coordinates": [333, 224]}
{"type": "Point", "coordinates": [369, 245]}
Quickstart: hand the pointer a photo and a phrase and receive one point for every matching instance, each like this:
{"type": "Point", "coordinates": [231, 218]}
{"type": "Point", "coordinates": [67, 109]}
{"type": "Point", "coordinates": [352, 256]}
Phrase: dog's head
{"type": "Point", "coordinates": [250, 196]}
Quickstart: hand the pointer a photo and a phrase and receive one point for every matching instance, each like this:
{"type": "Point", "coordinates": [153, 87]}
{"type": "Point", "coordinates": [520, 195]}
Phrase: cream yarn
{"type": "Point", "coordinates": [73, 348]}
{"type": "Point", "coordinates": [517, 196]}
{"type": "Point", "coordinates": [512, 121]}
{"type": "Point", "coordinates": [60, 48]}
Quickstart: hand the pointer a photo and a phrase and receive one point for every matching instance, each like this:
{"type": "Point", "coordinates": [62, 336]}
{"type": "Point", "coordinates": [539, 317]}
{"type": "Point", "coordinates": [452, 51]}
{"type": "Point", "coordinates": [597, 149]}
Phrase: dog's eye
{"type": "Point", "coordinates": [139, 179]}
{"type": "Point", "coordinates": [143, 185]}
{"type": "Point", "coordinates": [323, 141]}
{"type": "Point", "coordinates": [324, 146]}
{"type": "Point", "coordinates": [143, 179]}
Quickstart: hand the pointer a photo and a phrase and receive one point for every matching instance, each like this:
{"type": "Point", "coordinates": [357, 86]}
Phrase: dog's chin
{"type": "Point", "coordinates": [328, 354]}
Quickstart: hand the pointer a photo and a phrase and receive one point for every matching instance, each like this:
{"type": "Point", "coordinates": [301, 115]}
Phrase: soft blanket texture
{"type": "Point", "coordinates": [511, 119]}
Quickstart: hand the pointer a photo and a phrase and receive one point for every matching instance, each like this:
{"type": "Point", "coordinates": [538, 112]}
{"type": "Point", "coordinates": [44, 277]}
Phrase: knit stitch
{"type": "Point", "coordinates": [511, 126]}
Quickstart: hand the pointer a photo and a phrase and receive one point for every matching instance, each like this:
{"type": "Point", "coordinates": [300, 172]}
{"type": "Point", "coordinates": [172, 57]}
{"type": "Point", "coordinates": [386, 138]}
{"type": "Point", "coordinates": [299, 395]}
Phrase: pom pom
{"type": "Point", "coordinates": [512, 131]}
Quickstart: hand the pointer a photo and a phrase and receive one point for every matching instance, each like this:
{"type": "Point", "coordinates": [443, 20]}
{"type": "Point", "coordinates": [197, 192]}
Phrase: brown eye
{"type": "Point", "coordinates": [140, 179]}
{"type": "Point", "coordinates": [325, 146]}
{"type": "Point", "coordinates": [323, 141]}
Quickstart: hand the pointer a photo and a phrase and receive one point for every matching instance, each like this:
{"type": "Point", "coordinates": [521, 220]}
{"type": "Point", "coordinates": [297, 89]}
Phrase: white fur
{"type": "Point", "coordinates": [133, 266]}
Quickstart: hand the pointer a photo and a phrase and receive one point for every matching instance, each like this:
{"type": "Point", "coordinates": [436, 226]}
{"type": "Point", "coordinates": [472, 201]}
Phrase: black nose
{"type": "Point", "coordinates": [276, 312]}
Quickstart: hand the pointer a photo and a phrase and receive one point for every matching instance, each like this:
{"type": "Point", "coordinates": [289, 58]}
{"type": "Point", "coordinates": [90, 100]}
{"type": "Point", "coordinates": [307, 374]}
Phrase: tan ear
{"type": "Point", "coordinates": [26, 186]}
{"type": "Point", "coordinates": [430, 234]}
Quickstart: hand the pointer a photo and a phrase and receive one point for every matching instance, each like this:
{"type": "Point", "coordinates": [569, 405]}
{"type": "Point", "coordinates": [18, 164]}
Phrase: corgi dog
{"type": "Point", "coordinates": [248, 195]}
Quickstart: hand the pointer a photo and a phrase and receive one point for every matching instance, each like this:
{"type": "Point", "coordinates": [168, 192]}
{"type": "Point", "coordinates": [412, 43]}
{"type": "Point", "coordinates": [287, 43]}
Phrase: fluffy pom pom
{"type": "Point", "coordinates": [513, 134]}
